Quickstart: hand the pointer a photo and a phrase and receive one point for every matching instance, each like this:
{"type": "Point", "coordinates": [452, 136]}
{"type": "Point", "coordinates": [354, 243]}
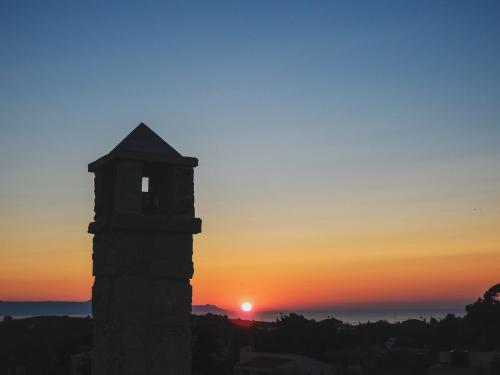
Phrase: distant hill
{"type": "Point", "coordinates": [38, 308]}
{"type": "Point", "coordinates": [208, 309]}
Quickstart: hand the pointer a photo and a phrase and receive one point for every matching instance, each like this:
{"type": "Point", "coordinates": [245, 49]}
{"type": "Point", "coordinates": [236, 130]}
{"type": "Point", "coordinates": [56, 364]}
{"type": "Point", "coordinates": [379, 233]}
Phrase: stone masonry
{"type": "Point", "coordinates": [142, 258]}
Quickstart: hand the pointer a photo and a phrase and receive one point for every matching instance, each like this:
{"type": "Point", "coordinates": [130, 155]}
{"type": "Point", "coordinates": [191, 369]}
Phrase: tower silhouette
{"type": "Point", "coordinates": [142, 257]}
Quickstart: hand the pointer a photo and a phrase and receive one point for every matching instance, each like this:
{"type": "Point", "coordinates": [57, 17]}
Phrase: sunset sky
{"type": "Point", "coordinates": [349, 152]}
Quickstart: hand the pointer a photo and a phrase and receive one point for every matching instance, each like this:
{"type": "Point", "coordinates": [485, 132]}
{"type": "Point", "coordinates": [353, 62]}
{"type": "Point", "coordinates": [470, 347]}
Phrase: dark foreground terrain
{"type": "Point", "coordinates": [48, 345]}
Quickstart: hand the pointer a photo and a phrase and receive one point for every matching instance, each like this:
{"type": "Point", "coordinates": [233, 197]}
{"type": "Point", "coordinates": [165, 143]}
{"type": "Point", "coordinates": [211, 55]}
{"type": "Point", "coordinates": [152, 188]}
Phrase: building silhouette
{"type": "Point", "coordinates": [258, 363]}
{"type": "Point", "coordinates": [142, 257]}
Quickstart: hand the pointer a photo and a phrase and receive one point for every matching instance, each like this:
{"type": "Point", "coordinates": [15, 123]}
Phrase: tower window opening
{"type": "Point", "coordinates": [145, 184]}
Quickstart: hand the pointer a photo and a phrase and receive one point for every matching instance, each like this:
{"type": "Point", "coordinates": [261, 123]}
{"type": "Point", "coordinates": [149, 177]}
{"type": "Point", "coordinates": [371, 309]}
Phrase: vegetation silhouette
{"type": "Point", "coordinates": [45, 344]}
{"type": "Point", "coordinates": [482, 321]}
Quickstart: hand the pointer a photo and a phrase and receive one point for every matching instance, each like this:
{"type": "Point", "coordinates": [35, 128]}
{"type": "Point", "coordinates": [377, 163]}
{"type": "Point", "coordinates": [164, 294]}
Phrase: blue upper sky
{"type": "Point", "coordinates": [242, 83]}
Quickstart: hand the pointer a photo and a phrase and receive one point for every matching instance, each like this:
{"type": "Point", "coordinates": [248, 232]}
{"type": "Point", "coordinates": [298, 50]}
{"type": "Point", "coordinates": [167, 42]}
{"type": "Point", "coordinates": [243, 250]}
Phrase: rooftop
{"type": "Point", "coordinates": [144, 144]}
{"type": "Point", "coordinates": [265, 362]}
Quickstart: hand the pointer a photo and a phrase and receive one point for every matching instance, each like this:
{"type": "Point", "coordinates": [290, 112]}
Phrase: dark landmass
{"type": "Point", "coordinates": [45, 345]}
{"type": "Point", "coordinates": [44, 308]}
{"type": "Point", "coordinates": [37, 308]}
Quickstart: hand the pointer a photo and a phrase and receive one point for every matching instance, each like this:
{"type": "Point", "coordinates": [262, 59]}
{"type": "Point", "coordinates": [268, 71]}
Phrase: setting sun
{"type": "Point", "coordinates": [246, 306]}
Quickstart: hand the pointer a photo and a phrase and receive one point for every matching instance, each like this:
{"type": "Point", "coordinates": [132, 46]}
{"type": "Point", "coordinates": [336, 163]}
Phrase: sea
{"type": "Point", "coordinates": [356, 316]}
{"type": "Point", "coordinates": [349, 315]}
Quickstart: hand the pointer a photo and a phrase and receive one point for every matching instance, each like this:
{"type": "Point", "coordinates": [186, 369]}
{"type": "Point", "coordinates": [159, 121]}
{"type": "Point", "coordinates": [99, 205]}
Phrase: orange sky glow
{"type": "Point", "coordinates": [407, 257]}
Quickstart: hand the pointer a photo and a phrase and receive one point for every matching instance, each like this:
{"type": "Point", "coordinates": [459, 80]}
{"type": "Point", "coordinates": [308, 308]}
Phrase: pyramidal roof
{"type": "Point", "coordinates": [144, 144]}
{"type": "Point", "coordinates": [143, 139]}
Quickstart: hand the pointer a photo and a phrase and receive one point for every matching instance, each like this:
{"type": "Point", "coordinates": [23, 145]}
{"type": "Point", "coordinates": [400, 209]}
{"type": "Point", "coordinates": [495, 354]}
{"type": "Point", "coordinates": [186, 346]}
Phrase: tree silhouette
{"type": "Point", "coordinates": [492, 295]}
{"type": "Point", "coordinates": [483, 319]}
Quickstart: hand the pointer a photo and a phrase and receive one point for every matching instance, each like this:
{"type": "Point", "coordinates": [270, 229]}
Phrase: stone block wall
{"type": "Point", "coordinates": [142, 303]}
{"type": "Point", "coordinates": [142, 263]}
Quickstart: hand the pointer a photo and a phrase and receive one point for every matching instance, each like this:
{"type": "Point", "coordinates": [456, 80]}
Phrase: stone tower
{"type": "Point", "coordinates": [142, 257]}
